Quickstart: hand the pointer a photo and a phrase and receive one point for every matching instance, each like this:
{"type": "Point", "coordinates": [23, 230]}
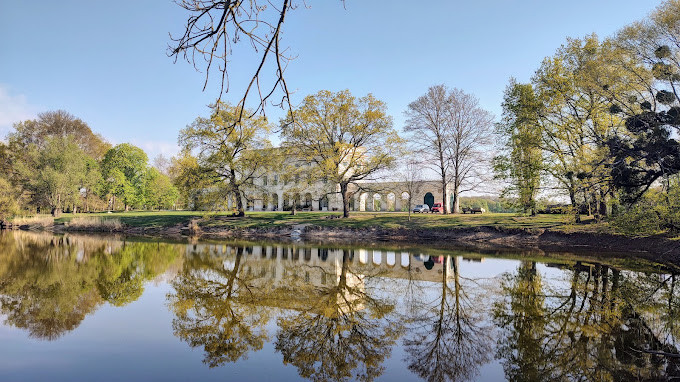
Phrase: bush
{"type": "Point", "coordinates": [655, 213]}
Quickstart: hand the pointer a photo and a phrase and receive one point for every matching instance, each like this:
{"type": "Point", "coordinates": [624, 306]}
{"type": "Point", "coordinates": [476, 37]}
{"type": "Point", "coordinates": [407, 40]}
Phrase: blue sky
{"type": "Point", "coordinates": [106, 62]}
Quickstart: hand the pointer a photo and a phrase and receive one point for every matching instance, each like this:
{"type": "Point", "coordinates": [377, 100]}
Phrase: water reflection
{"type": "Point", "coordinates": [342, 313]}
{"type": "Point", "coordinates": [602, 325]}
{"type": "Point", "coordinates": [48, 284]}
{"type": "Point", "coordinates": [216, 307]}
{"type": "Point", "coordinates": [449, 338]}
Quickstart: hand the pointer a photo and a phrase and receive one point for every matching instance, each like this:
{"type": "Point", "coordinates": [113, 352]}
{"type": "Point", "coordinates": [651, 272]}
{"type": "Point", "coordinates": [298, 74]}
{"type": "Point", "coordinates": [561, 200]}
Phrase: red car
{"type": "Point", "coordinates": [437, 207]}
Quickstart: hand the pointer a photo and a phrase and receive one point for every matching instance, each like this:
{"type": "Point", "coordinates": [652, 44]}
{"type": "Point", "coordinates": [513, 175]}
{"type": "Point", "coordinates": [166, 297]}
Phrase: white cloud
{"type": "Point", "coordinates": [13, 108]}
{"type": "Point", "coordinates": [154, 148]}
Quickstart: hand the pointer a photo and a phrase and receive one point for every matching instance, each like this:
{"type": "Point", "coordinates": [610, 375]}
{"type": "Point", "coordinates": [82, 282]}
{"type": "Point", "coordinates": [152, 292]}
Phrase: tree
{"type": "Point", "coordinates": [411, 175]}
{"type": "Point", "coordinates": [651, 151]}
{"type": "Point", "coordinates": [190, 180]}
{"type": "Point", "coordinates": [519, 133]}
{"type": "Point", "coordinates": [348, 140]}
{"type": "Point", "coordinates": [159, 190]}
{"type": "Point", "coordinates": [471, 134]}
{"type": "Point", "coordinates": [230, 153]}
{"type": "Point", "coordinates": [8, 199]}
{"type": "Point", "coordinates": [576, 121]}
{"type": "Point", "coordinates": [57, 124]}
{"type": "Point", "coordinates": [123, 170]}
{"type": "Point", "coordinates": [53, 173]}
{"type": "Point", "coordinates": [449, 131]}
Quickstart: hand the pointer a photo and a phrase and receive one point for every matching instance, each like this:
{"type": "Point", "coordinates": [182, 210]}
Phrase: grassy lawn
{"type": "Point", "coordinates": [159, 219]}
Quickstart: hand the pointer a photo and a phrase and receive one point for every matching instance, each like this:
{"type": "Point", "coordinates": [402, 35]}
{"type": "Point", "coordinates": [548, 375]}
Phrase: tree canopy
{"type": "Point", "coordinates": [348, 139]}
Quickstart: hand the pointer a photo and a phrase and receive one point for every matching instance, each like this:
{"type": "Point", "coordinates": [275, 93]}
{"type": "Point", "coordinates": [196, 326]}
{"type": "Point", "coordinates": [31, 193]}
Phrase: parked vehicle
{"type": "Point", "coordinates": [473, 210]}
{"type": "Point", "coordinates": [422, 208]}
{"type": "Point", "coordinates": [437, 207]}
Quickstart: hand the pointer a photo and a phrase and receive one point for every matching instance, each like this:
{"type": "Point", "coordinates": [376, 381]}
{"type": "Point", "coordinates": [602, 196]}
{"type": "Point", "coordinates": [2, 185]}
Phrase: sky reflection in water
{"type": "Point", "coordinates": [88, 308]}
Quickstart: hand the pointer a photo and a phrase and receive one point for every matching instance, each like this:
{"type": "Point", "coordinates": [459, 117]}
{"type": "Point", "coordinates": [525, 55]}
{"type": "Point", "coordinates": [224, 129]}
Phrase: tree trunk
{"type": "Point", "coordinates": [345, 200]}
{"type": "Point", "coordinates": [572, 198]}
{"type": "Point", "coordinates": [409, 206]}
{"type": "Point", "coordinates": [445, 202]}
{"type": "Point", "coordinates": [239, 204]}
{"type": "Point", "coordinates": [456, 200]}
{"type": "Point", "coordinates": [603, 203]}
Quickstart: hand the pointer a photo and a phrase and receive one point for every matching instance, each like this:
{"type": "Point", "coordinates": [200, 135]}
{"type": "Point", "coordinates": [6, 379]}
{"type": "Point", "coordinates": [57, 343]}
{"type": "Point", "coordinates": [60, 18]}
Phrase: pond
{"type": "Point", "coordinates": [79, 307]}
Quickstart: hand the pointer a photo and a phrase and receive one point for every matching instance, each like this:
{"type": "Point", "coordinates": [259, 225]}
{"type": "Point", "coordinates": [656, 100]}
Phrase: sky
{"type": "Point", "coordinates": [106, 61]}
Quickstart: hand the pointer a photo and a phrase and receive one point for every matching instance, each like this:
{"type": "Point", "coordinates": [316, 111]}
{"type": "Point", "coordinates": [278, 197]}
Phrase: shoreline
{"type": "Point", "coordinates": [655, 248]}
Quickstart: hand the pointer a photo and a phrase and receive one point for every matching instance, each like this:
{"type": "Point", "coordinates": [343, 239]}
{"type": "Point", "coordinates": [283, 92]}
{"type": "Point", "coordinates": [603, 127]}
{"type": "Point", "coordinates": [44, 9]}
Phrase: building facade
{"type": "Point", "coordinates": [269, 193]}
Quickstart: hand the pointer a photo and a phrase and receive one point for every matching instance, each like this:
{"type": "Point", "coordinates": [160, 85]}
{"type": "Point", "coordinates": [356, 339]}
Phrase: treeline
{"type": "Point", "coordinates": [487, 203]}
{"type": "Point", "coordinates": [56, 163]}
{"type": "Point", "coordinates": [598, 124]}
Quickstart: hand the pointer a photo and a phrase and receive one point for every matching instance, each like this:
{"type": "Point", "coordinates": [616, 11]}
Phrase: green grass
{"type": "Point", "coordinates": [151, 219]}
{"type": "Point", "coordinates": [357, 220]}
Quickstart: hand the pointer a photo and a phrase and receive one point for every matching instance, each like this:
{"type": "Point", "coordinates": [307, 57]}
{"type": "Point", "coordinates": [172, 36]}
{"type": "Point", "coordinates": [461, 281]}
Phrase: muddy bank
{"type": "Point", "coordinates": [484, 238]}
{"type": "Point", "coordinates": [656, 249]}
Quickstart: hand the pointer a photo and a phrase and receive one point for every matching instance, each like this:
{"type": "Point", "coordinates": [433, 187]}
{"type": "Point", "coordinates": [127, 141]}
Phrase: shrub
{"type": "Point", "coordinates": [656, 212]}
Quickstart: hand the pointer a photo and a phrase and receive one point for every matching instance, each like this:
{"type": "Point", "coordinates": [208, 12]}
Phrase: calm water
{"type": "Point", "coordinates": [109, 309]}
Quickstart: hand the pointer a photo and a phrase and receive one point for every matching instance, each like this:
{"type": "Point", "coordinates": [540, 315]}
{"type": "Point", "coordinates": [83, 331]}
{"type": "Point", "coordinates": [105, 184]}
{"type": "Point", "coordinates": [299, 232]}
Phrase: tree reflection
{"type": "Point", "coordinates": [450, 339]}
{"type": "Point", "coordinates": [344, 333]}
{"type": "Point", "coordinates": [49, 284]}
{"type": "Point", "coordinates": [594, 329]}
{"type": "Point", "coordinates": [216, 310]}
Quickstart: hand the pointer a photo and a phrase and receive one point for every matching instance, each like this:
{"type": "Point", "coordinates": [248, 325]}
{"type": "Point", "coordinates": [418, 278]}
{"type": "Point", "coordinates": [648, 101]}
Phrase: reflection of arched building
{"type": "Point", "coordinates": [274, 262]}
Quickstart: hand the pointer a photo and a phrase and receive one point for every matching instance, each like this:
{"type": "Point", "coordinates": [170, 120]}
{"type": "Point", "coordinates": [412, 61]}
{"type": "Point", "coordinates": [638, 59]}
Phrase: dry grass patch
{"type": "Point", "coordinates": [36, 221]}
{"type": "Point", "coordinates": [97, 224]}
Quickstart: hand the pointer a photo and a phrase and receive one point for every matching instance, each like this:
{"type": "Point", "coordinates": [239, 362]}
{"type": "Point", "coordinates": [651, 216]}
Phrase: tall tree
{"type": "Point", "coordinates": [53, 173]}
{"type": "Point", "coordinates": [189, 179]}
{"type": "Point", "coordinates": [57, 124]}
{"type": "Point", "coordinates": [450, 131]}
{"type": "Point", "coordinates": [348, 140]}
{"type": "Point", "coordinates": [230, 151]}
{"type": "Point", "coordinates": [427, 119]}
{"type": "Point", "coordinates": [123, 170]}
{"type": "Point", "coordinates": [576, 121]}
{"type": "Point", "coordinates": [159, 190]}
{"type": "Point", "coordinates": [471, 129]}
{"type": "Point", "coordinates": [651, 151]}
{"type": "Point", "coordinates": [519, 134]}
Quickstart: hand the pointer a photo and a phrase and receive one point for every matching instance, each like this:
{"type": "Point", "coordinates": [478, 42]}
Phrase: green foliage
{"type": "Point", "coordinates": [494, 205]}
{"type": "Point", "coordinates": [519, 132]}
{"type": "Point", "coordinates": [50, 283]}
{"type": "Point", "coordinates": [347, 139]}
{"type": "Point", "coordinates": [54, 172]}
{"type": "Point", "coordinates": [53, 124]}
{"type": "Point", "coordinates": [657, 212]}
{"type": "Point", "coordinates": [159, 191]}
{"type": "Point", "coordinates": [123, 169]}
{"type": "Point", "coordinates": [230, 152]}
{"type": "Point", "coordinates": [8, 199]}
